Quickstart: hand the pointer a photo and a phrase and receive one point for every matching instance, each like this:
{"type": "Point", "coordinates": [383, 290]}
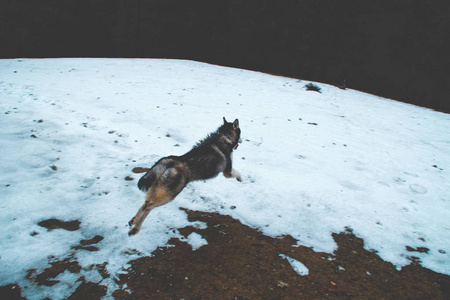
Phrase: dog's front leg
{"type": "Point", "coordinates": [229, 172]}
{"type": "Point", "coordinates": [233, 174]}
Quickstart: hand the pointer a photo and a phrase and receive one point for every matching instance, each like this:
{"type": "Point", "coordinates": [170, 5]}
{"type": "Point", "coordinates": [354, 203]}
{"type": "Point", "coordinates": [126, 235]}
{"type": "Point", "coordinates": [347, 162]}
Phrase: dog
{"type": "Point", "coordinates": [168, 176]}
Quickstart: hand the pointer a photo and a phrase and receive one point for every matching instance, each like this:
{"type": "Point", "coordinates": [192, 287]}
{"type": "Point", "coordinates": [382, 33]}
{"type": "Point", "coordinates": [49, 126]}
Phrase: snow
{"type": "Point", "coordinates": [196, 240]}
{"type": "Point", "coordinates": [297, 266]}
{"type": "Point", "coordinates": [312, 163]}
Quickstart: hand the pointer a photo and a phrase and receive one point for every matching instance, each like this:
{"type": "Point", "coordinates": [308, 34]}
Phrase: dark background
{"type": "Point", "coordinates": [395, 49]}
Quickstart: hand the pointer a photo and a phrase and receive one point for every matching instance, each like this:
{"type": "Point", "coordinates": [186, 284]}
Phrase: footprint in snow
{"type": "Point", "coordinates": [384, 183]}
{"type": "Point", "coordinates": [417, 188]}
{"type": "Point", "coordinates": [411, 174]}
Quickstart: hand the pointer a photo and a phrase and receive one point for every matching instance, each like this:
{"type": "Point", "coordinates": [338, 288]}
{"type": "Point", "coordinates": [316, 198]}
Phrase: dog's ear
{"type": "Point", "coordinates": [236, 124]}
{"type": "Point", "coordinates": [224, 121]}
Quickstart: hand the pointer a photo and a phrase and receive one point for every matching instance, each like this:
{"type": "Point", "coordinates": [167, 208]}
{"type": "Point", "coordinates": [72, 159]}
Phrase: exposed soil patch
{"type": "Point", "coordinates": [11, 292]}
{"type": "Point", "coordinates": [88, 244]}
{"type": "Point", "coordinates": [138, 170]}
{"type": "Point", "coordinates": [239, 262]}
{"type": "Point", "coordinates": [88, 290]}
{"type": "Point", "coordinates": [51, 224]}
{"type": "Point", "coordinates": [57, 267]}
{"type": "Point", "coordinates": [418, 249]}
{"type": "Point", "coordinates": [96, 239]}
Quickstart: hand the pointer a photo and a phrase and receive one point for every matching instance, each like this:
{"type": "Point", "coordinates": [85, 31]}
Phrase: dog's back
{"type": "Point", "coordinates": [206, 160]}
{"type": "Point", "coordinates": [175, 172]}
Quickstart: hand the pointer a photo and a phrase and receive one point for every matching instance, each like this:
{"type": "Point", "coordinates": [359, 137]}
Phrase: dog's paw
{"type": "Point", "coordinates": [131, 222]}
{"type": "Point", "coordinates": [133, 231]}
{"type": "Point", "coordinates": [237, 175]}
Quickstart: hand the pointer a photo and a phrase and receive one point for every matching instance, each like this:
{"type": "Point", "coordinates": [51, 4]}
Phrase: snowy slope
{"type": "Point", "coordinates": [312, 163]}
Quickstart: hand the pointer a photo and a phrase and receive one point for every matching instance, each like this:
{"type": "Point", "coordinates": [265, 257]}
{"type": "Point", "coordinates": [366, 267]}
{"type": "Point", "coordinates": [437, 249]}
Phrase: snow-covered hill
{"type": "Point", "coordinates": [312, 163]}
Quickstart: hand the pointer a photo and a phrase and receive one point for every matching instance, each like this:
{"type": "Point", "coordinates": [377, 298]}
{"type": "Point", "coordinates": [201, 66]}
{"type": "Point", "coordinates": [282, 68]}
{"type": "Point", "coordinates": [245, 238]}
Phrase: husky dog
{"type": "Point", "coordinates": [168, 176]}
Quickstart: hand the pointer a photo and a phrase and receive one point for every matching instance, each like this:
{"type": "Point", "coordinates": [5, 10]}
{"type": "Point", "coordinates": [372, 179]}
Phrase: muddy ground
{"type": "Point", "coordinates": [241, 263]}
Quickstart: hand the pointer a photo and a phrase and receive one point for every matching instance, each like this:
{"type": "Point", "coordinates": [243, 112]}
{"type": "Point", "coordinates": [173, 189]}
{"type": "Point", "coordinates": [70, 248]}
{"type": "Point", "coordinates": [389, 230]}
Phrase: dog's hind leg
{"type": "Point", "coordinates": [156, 196]}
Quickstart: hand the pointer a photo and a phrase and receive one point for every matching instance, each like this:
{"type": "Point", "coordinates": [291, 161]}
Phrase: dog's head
{"type": "Point", "coordinates": [232, 131]}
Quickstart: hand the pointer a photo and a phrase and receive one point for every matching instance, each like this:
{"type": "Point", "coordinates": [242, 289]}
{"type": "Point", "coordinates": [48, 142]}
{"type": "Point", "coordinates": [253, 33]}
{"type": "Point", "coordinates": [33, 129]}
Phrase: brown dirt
{"type": "Point", "coordinates": [138, 170]}
{"type": "Point", "coordinates": [52, 224]}
{"type": "Point", "coordinates": [240, 262]}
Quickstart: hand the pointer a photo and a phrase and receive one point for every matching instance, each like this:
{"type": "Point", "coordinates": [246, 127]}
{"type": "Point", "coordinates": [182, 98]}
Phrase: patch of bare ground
{"type": "Point", "coordinates": [240, 262]}
{"type": "Point", "coordinates": [52, 224]}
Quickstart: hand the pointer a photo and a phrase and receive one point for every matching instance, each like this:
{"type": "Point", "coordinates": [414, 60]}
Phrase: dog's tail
{"type": "Point", "coordinates": [147, 180]}
{"type": "Point", "coordinates": [168, 171]}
